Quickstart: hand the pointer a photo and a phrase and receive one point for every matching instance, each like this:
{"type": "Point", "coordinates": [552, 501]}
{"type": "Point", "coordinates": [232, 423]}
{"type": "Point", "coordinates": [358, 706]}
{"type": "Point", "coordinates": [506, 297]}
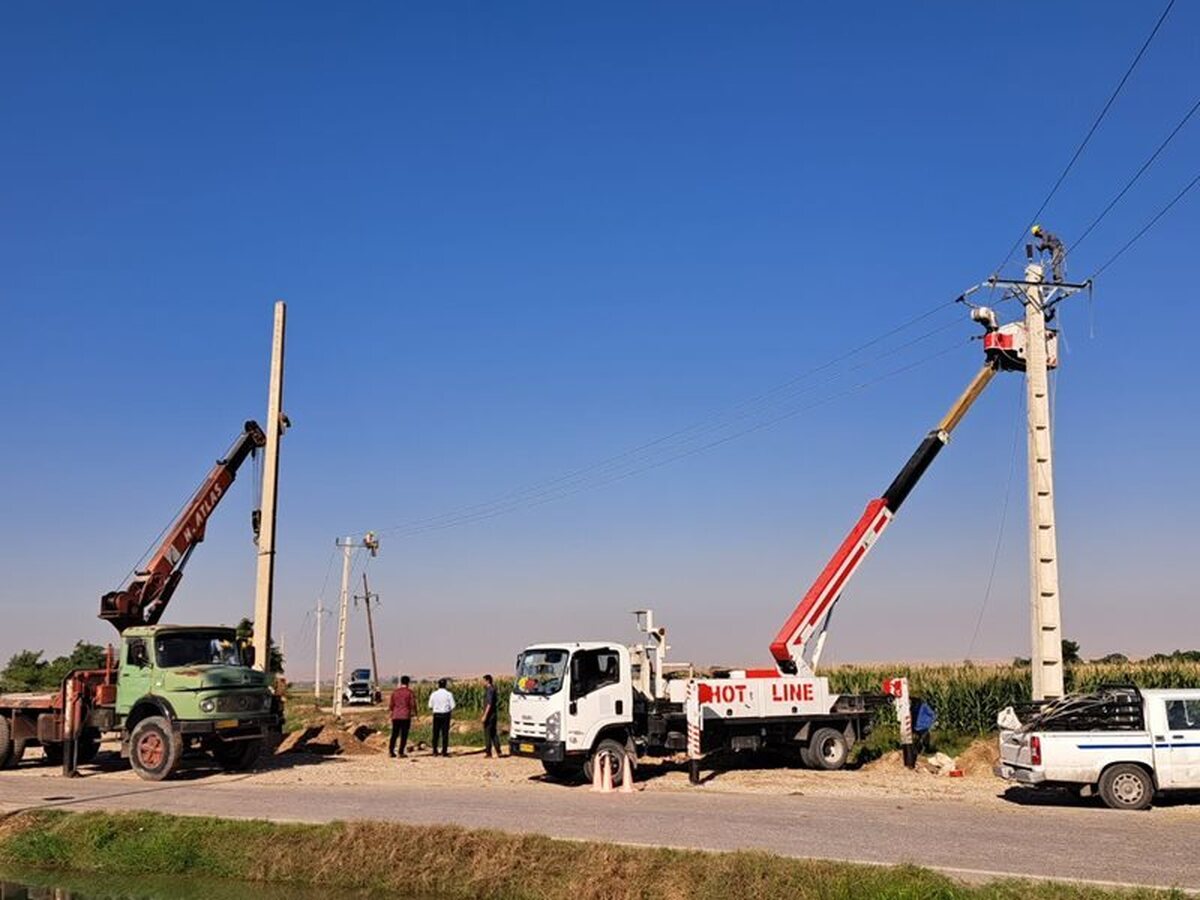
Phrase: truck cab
{"type": "Point", "coordinates": [570, 700]}
{"type": "Point", "coordinates": [188, 687]}
{"type": "Point", "coordinates": [1125, 744]}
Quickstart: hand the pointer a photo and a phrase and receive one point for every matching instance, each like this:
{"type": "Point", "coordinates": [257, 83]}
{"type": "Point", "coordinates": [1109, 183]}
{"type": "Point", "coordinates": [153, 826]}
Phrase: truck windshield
{"type": "Point", "coordinates": [540, 672]}
{"type": "Point", "coordinates": [197, 649]}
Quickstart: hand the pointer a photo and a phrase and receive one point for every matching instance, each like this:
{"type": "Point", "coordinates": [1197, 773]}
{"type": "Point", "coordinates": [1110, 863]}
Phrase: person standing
{"type": "Point", "coordinates": [441, 704]}
{"type": "Point", "coordinates": [403, 705]}
{"type": "Point", "coordinates": [490, 707]}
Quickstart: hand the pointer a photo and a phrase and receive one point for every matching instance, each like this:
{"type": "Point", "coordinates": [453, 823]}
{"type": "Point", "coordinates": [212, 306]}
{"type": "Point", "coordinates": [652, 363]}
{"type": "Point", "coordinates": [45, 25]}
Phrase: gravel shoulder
{"type": "Point", "coordinates": [883, 779]}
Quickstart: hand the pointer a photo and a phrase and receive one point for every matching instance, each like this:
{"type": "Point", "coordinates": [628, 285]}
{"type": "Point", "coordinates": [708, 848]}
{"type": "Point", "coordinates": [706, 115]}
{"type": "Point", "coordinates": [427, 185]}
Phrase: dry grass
{"type": "Point", "coordinates": [450, 862]}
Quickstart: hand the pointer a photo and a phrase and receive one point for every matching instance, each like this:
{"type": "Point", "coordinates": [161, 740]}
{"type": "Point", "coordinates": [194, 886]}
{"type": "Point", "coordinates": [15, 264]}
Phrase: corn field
{"type": "Point", "coordinates": [468, 695]}
{"type": "Point", "coordinates": [968, 697]}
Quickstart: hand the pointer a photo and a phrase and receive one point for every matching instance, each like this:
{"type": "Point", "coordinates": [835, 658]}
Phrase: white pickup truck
{"type": "Point", "coordinates": [1125, 743]}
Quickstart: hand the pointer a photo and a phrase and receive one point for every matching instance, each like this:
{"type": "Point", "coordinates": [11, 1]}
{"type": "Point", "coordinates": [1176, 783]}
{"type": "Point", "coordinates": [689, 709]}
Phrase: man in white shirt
{"type": "Point", "coordinates": [441, 704]}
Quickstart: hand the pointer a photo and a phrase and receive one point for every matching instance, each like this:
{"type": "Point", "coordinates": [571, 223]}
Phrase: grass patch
{"type": "Point", "coordinates": [450, 862]}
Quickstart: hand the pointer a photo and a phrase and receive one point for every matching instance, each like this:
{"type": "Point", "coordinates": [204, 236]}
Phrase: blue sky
{"type": "Point", "coordinates": [519, 239]}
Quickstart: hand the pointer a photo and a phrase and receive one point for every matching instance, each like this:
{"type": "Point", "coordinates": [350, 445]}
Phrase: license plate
{"type": "Point", "coordinates": [526, 748]}
{"type": "Point", "coordinates": [228, 723]}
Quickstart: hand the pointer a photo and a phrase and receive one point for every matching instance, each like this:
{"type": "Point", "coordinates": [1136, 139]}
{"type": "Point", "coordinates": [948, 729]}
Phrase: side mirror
{"type": "Point", "coordinates": [248, 655]}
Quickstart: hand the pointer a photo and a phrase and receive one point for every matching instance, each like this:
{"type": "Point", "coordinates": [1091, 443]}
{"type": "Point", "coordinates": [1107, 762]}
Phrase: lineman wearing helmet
{"type": "Point", "coordinates": [1052, 245]}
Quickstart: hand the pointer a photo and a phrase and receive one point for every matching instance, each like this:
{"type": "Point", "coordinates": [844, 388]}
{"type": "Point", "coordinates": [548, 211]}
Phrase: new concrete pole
{"type": "Point", "coordinates": [264, 588]}
{"type": "Point", "coordinates": [1046, 615]}
{"type": "Point", "coordinates": [317, 665]}
{"type": "Point", "coordinates": [339, 675]}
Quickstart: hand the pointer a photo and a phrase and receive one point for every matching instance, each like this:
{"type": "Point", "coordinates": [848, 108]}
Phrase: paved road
{"type": "Point", "coordinates": [1157, 848]}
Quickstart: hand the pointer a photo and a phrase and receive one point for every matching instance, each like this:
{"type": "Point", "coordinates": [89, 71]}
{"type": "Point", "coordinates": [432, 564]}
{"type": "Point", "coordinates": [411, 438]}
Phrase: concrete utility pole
{"type": "Point", "coordinates": [317, 662]}
{"type": "Point", "coordinates": [1046, 618]}
{"type": "Point", "coordinates": [367, 597]}
{"type": "Point", "coordinates": [348, 545]}
{"type": "Point", "coordinates": [264, 589]}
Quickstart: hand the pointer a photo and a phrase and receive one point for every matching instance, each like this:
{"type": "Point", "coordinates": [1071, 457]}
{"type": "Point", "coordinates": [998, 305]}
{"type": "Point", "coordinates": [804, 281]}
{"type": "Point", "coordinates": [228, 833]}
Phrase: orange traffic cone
{"type": "Point", "coordinates": [602, 774]}
{"type": "Point", "coordinates": [626, 774]}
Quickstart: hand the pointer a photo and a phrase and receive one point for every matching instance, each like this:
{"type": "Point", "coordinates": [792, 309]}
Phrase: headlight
{"type": "Point", "coordinates": [207, 706]}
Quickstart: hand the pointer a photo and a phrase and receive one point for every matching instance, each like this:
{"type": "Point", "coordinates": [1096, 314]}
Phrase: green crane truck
{"type": "Point", "coordinates": [166, 689]}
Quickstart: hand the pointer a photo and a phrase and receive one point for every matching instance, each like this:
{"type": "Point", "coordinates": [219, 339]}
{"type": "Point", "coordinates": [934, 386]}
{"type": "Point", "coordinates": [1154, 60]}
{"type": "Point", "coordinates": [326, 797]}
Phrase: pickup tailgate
{"type": "Point", "coordinates": [1015, 749]}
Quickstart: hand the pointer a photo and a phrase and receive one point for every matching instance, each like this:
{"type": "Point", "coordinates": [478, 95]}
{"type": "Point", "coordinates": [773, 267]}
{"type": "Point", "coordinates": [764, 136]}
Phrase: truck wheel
{"type": "Point", "coordinates": [89, 747]}
{"type": "Point", "coordinates": [563, 771]}
{"type": "Point", "coordinates": [1126, 786]}
{"type": "Point", "coordinates": [237, 756]}
{"type": "Point", "coordinates": [8, 755]}
{"type": "Point", "coordinates": [827, 749]}
{"type": "Point", "coordinates": [154, 748]}
{"type": "Point", "coordinates": [616, 760]}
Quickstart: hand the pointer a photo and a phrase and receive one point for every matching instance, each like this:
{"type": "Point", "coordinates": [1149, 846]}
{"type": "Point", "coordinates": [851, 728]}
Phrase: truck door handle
{"type": "Point", "coordinates": [1177, 737]}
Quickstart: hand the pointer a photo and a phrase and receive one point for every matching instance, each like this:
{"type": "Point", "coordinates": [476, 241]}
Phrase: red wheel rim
{"type": "Point", "coordinates": [151, 750]}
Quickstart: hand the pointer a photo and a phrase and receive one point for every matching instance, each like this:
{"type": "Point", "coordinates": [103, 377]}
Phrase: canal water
{"type": "Point", "coordinates": [54, 885]}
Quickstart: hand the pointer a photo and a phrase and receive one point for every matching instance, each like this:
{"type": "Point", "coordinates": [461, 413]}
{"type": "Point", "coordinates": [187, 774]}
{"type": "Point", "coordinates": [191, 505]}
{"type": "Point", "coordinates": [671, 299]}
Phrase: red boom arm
{"type": "Point", "coordinates": [145, 599]}
{"type": "Point", "coordinates": [789, 645]}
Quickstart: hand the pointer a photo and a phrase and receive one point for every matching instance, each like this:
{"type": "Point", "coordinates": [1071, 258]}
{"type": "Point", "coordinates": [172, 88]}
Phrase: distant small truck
{"type": "Point", "coordinates": [360, 689]}
{"type": "Point", "coordinates": [1124, 743]}
{"type": "Point", "coordinates": [171, 689]}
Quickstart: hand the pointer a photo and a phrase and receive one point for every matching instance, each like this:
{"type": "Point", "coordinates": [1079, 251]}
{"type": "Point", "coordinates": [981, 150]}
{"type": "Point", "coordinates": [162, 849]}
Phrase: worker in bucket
{"type": "Point", "coordinates": [441, 704]}
{"type": "Point", "coordinates": [490, 717]}
{"type": "Point", "coordinates": [1052, 245]}
{"type": "Point", "coordinates": [403, 705]}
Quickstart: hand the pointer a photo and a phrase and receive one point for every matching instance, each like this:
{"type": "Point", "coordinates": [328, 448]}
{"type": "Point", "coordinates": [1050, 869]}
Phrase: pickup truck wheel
{"type": "Point", "coordinates": [616, 760]}
{"type": "Point", "coordinates": [237, 756]}
{"type": "Point", "coordinates": [1126, 786]}
{"type": "Point", "coordinates": [154, 748]}
{"type": "Point", "coordinates": [827, 749]}
{"type": "Point", "coordinates": [563, 771]}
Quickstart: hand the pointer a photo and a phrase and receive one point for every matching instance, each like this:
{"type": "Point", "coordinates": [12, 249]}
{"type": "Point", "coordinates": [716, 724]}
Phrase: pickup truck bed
{"type": "Point", "coordinates": [1135, 744]}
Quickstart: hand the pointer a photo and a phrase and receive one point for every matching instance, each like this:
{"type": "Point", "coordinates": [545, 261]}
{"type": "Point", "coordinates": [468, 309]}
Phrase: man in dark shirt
{"type": "Point", "coordinates": [1050, 243]}
{"type": "Point", "coordinates": [403, 704]}
{"type": "Point", "coordinates": [490, 737]}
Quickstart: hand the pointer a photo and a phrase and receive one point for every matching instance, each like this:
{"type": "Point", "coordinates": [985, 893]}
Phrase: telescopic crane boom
{"type": "Point", "coordinates": [1004, 348]}
{"type": "Point", "coordinates": [145, 598]}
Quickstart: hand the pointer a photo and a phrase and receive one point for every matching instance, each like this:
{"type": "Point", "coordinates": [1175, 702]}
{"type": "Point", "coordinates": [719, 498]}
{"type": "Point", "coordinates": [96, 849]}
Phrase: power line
{"type": "Point", "coordinates": [1133, 240]}
{"type": "Point", "coordinates": [1136, 175]}
{"type": "Point", "coordinates": [1096, 124]}
{"type": "Point", "coordinates": [690, 451]}
{"type": "Point", "coordinates": [774, 396]}
{"type": "Point", "coordinates": [1012, 468]}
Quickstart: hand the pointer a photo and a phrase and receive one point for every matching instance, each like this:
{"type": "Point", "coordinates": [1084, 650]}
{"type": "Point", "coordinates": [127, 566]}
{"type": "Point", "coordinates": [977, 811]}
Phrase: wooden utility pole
{"type": "Point", "coordinates": [367, 597]}
{"type": "Point", "coordinates": [1046, 614]}
{"type": "Point", "coordinates": [264, 588]}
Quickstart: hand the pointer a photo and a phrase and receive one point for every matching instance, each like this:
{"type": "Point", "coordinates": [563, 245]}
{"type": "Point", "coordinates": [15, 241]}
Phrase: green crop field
{"type": "Point", "coordinates": [968, 697]}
